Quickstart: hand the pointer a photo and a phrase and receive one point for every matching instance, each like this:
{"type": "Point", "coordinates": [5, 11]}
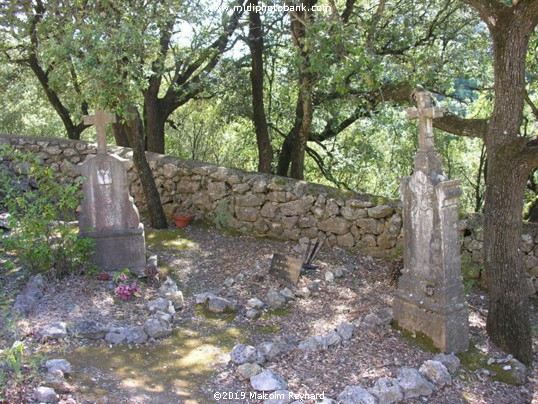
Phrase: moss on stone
{"type": "Point", "coordinates": [474, 360]}
{"type": "Point", "coordinates": [417, 338]}
{"type": "Point", "coordinates": [227, 317]}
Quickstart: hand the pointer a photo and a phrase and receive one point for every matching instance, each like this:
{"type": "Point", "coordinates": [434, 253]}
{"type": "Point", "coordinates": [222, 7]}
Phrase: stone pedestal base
{"type": "Point", "coordinates": [446, 325]}
{"type": "Point", "coordinates": [115, 250]}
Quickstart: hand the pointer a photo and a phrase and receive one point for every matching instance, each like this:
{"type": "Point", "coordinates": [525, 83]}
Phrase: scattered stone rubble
{"type": "Point", "coordinates": [55, 383]}
{"type": "Point", "coordinates": [159, 324]}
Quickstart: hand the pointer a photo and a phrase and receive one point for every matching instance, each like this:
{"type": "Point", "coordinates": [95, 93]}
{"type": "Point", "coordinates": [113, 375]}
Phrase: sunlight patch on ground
{"type": "Point", "coordinates": [168, 239]}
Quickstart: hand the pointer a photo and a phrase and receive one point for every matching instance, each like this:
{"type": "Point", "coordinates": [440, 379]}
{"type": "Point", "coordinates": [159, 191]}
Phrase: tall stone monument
{"type": "Point", "coordinates": [108, 214]}
{"type": "Point", "coordinates": [430, 297]}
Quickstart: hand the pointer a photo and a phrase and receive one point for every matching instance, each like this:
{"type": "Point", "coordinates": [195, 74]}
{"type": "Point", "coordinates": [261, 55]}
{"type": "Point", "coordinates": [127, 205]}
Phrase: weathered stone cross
{"type": "Point", "coordinates": [426, 112]}
{"type": "Point", "coordinates": [100, 119]}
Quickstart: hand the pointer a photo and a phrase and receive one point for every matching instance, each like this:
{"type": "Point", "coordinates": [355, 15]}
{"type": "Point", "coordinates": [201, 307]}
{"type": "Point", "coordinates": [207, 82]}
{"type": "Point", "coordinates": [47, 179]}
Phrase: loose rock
{"type": "Point", "coordinates": [219, 305]}
{"type": "Point", "coordinates": [387, 390]}
{"type": "Point", "coordinates": [268, 381]}
{"type": "Point", "coordinates": [413, 384]}
{"type": "Point", "coordinates": [436, 372]}
{"type": "Point", "coordinates": [451, 361]}
{"type": "Point", "coordinates": [45, 395]}
{"type": "Point", "coordinates": [242, 354]}
{"type": "Point", "coordinates": [157, 328]}
{"type": "Point", "coordinates": [345, 330]}
{"type": "Point", "coordinates": [90, 329]}
{"type": "Point", "coordinates": [248, 370]}
{"type": "Point", "coordinates": [274, 299]}
{"type": "Point", "coordinates": [62, 365]}
{"type": "Point", "coordinates": [52, 331]}
{"type": "Point", "coordinates": [355, 395]}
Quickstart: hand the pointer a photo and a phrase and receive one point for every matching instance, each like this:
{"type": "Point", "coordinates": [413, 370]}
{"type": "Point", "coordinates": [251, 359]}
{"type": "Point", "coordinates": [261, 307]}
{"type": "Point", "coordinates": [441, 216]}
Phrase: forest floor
{"type": "Point", "coordinates": [194, 363]}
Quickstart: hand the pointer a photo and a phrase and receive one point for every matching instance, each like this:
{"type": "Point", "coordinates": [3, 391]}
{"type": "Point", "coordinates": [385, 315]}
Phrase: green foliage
{"type": "Point", "coordinates": [41, 216]}
{"type": "Point", "coordinates": [14, 357]}
{"type": "Point", "coordinates": [19, 370]}
{"type": "Point", "coordinates": [223, 214]}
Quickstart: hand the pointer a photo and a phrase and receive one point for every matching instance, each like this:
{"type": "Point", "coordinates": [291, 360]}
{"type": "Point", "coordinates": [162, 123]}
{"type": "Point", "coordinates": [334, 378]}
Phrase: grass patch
{"type": "Point", "coordinates": [281, 312]}
{"type": "Point", "coordinates": [265, 329]}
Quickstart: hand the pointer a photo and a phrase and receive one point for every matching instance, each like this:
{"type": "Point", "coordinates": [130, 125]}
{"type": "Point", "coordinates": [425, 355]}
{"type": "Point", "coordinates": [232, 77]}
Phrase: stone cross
{"type": "Point", "coordinates": [430, 298]}
{"type": "Point", "coordinates": [426, 112]}
{"type": "Point", "coordinates": [100, 119]}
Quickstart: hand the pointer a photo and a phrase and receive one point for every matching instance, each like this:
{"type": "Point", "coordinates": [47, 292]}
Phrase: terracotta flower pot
{"type": "Point", "coordinates": [182, 219]}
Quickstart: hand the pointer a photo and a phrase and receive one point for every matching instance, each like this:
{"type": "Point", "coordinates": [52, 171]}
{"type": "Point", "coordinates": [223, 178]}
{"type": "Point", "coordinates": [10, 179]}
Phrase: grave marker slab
{"type": "Point", "coordinates": [430, 297]}
{"type": "Point", "coordinates": [286, 268]}
{"type": "Point", "coordinates": [108, 214]}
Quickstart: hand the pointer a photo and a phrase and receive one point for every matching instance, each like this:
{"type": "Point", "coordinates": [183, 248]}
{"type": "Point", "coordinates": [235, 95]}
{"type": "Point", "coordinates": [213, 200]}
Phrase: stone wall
{"type": "Point", "coordinates": [472, 254]}
{"type": "Point", "coordinates": [272, 206]}
{"type": "Point", "coordinates": [252, 203]}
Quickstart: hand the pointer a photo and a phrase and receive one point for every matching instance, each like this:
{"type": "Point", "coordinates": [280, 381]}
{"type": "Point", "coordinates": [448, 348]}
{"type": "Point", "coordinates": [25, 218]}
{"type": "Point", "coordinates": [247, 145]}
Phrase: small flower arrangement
{"type": "Point", "coordinates": [124, 290]}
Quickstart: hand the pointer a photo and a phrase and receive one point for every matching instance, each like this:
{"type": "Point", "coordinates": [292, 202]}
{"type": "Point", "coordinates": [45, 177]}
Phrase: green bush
{"type": "Point", "coordinates": [41, 206]}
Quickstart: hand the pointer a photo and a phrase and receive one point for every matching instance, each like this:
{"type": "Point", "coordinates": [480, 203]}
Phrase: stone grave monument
{"type": "Point", "coordinates": [430, 297]}
{"type": "Point", "coordinates": [108, 214]}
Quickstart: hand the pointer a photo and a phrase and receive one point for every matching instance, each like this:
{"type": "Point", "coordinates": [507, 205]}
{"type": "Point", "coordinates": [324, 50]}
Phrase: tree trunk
{"type": "Point", "coordinates": [155, 117]}
{"type": "Point", "coordinates": [134, 130]}
{"type": "Point", "coordinates": [299, 145]}
{"type": "Point", "coordinates": [120, 134]}
{"type": "Point", "coordinates": [508, 321]}
{"type": "Point", "coordinates": [284, 159]}
{"type": "Point", "coordinates": [265, 150]}
{"type": "Point", "coordinates": [299, 26]}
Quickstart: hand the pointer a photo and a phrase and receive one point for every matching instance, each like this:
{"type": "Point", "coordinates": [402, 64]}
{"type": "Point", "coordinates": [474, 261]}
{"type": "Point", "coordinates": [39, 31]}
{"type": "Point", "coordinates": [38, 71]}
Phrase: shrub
{"type": "Point", "coordinates": [41, 205]}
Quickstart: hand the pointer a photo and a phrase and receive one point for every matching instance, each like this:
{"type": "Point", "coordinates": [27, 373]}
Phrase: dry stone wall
{"type": "Point", "coordinates": [272, 206]}
{"type": "Point", "coordinates": [252, 203]}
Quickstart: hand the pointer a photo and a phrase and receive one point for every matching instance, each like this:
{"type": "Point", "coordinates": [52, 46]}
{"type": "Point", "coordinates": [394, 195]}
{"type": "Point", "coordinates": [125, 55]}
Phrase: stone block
{"type": "Point", "coordinates": [346, 240]}
{"type": "Point", "coordinates": [334, 225]}
{"type": "Point", "coordinates": [294, 208]}
{"type": "Point", "coordinates": [386, 241]}
{"type": "Point", "coordinates": [380, 211]}
{"type": "Point", "coordinates": [249, 200]}
{"type": "Point", "coordinates": [371, 226]}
